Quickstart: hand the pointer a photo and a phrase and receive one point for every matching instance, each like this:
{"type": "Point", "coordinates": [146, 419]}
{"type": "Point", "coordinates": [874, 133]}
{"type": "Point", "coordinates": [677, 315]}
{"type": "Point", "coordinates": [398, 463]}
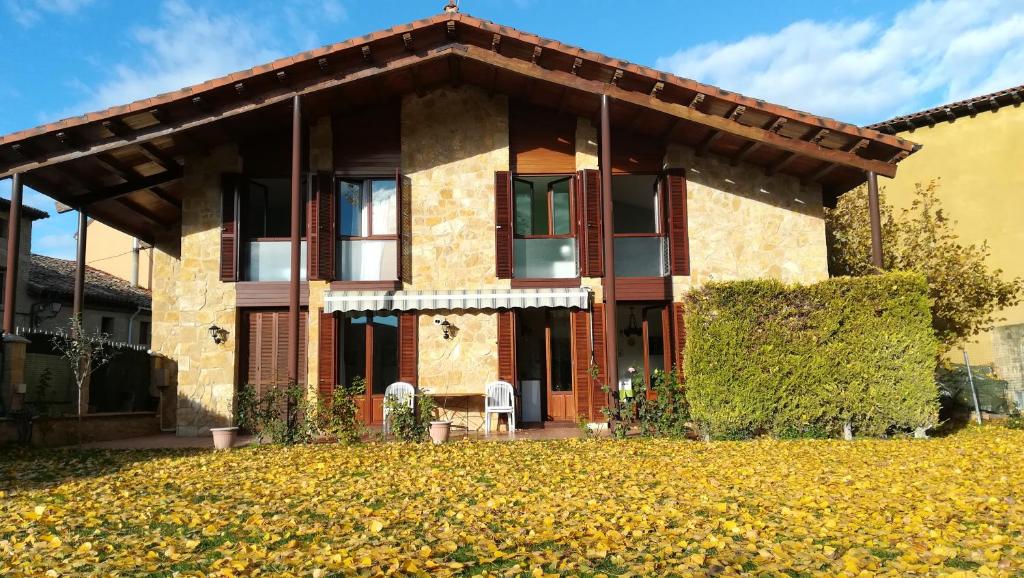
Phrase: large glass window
{"type": "Point", "coordinates": [641, 247]}
{"type": "Point", "coordinates": [266, 230]}
{"type": "Point", "coordinates": [368, 224]}
{"type": "Point", "coordinates": [544, 246]}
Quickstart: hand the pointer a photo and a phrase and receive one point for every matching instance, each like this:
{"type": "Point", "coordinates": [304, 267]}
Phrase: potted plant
{"type": "Point", "coordinates": [440, 429]}
{"type": "Point", "coordinates": [224, 437]}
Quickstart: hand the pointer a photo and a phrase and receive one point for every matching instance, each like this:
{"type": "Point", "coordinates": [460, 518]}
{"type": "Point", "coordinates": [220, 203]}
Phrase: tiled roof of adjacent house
{"type": "Point", "coordinates": [952, 111]}
{"type": "Point", "coordinates": [55, 278]}
{"type": "Point", "coordinates": [26, 211]}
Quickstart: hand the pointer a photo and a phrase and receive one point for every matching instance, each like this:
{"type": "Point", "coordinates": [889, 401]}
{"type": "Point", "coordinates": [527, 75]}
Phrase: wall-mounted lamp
{"type": "Point", "coordinates": [219, 334]}
{"type": "Point", "coordinates": [447, 329]}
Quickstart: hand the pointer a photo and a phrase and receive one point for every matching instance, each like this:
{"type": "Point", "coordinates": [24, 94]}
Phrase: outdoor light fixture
{"type": "Point", "coordinates": [219, 334]}
{"type": "Point", "coordinates": [632, 330]}
{"type": "Point", "coordinates": [446, 328]}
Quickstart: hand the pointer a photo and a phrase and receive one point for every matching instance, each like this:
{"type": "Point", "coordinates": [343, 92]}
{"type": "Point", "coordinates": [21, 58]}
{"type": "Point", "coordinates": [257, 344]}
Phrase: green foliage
{"type": "Point", "coordinates": [283, 414]}
{"type": "Point", "coordinates": [410, 424]}
{"type": "Point", "coordinates": [339, 418]}
{"type": "Point", "coordinates": [667, 414]}
{"type": "Point", "coordinates": [766, 358]}
{"type": "Point", "coordinates": [965, 292]}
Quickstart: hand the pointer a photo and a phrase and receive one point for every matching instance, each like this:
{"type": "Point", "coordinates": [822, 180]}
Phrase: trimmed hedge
{"type": "Point", "coordinates": [767, 358]}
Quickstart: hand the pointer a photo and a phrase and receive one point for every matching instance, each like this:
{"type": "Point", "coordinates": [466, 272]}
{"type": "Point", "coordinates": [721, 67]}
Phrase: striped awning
{"type": "Point", "coordinates": [578, 297]}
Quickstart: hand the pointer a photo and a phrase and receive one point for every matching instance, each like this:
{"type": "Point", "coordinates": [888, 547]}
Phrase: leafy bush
{"type": "Point", "coordinates": [666, 415]}
{"type": "Point", "coordinates": [854, 354]}
{"type": "Point", "coordinates": [339, 416]}
{"type": "Point", "coordinates": [283, 414]}
{"type": "Point", "coordinates": [410, 424]}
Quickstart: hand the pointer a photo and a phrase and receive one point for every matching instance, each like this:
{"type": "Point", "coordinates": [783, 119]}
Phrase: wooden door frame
{"type": "Point", "coordinates": [666, 317]}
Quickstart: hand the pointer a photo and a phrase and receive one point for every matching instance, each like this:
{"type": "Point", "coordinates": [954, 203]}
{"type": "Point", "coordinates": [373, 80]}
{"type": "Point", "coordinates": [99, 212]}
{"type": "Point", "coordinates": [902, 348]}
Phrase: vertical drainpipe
{"type": "Point", "coordinates": [135, 262]}
{"type": "Point", "coordinates": [293, 287]}
{"type": "Point", "coordinates": [876, 221]}
{"type": "Point", "coordinates": [79, 297]}
{"type": "Point", "coordinates": [13, 247]}
{"type": "Point", "coordinates": [611, 349]}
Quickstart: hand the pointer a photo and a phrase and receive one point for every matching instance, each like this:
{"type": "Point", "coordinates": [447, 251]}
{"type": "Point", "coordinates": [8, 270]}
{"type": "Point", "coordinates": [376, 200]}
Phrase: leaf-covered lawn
{"type": "Point", "coordinates": [577, 507]}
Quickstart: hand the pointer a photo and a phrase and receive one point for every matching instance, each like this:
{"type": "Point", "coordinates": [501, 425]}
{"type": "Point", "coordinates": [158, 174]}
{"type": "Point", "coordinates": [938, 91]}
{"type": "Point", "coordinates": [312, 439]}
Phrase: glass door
{"type": "Point", "coordinates": [369, 351]}
{"type": "Point", "coordinates": [643, 348]}
{"type": "Point", "coordinates": [543, 352]}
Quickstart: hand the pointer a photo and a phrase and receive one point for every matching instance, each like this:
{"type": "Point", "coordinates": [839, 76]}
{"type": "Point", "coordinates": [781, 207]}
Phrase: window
{"type": "Point", "coordinates": [107, 326]}
{"type": "Point", "coordinates": [144, 333]}
{"type": "Point", "coordinates": [544, 244]}
{"type": "Point", "coordinates": [369, 348]}
{"type": "Point", "coordinates": [368, 225]}
{"type": "Point", "coordinates": [3, 284]}
{"type": "Point", "coordinates": [641, 245]}
{"type": "Point", "coordinates": [266, 230]}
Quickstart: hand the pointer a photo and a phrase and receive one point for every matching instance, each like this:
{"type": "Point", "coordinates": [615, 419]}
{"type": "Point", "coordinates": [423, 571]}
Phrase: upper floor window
{"type": "Point", "coordinates": [641, 243]}
{"type": "Point", "coordinates": [368, 226]}
{"type": "Point", "coordinates": [265, 220]}
{"type": "Point", "coordinates": [544, 243]}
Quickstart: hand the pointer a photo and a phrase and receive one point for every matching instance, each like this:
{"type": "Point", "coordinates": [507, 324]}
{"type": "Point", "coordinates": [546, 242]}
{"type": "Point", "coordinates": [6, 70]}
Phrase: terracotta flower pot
{"type": "Point", "coordinates": [224, 437]}
{"type": "Point", "coordinates": [439, 431]}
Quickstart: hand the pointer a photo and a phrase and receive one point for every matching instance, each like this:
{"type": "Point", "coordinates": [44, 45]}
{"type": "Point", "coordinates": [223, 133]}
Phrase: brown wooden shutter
{"type": "Point", "coordinates": [541, 141]}
{"type": "Point", "coordinates": [399, 215]}
{"type": "Point", "coordinates": [321, 228]}
{"type": "Point", "coordinates": [679, 336]}
{"type": "Point", "coordinates": [503, 224]}
{"type": "Point", "coordinates": [592, 252]}
{"type": "Point", "coordinates": [599, 399]}
{"type": "Point", "coordinates": [229, 229]}
{"type": "Point", "coordinates": [581, 363]}
{"type": "Point", "coordinates": [408, 347]}
{"type": "Point", "coordinates": [506, 347]}
{"type": "Point", "coordinates": [327, 351]}
{"type": "Point", "coordinates": [679, 243]}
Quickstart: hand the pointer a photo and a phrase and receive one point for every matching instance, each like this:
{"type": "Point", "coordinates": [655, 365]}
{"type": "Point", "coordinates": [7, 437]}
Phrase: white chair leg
{"type": "Point", "coordinates": [487, 423]}
{"type": "Point", "coordinates": [511, 422]}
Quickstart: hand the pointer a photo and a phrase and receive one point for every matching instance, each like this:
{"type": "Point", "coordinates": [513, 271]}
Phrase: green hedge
{"type": "Point", "coordinates": [767, 358]}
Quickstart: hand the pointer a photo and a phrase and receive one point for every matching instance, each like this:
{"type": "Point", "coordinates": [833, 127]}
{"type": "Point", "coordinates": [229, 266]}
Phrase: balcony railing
{"type": "Point", "coordinates": [544, 258]}
{"type": "Point", "coordinates": [368, 260]}
{"type": "Point", "coordinates": [271, 260]}
{"type": "Point", "coordinates": [641, 256]}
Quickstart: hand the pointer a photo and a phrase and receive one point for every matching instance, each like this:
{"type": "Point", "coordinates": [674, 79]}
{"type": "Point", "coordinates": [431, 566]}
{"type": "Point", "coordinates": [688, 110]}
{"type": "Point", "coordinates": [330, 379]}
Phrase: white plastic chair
{"type": "Point", "coordinates": [499, 399]}
{"type": "Point", "coordinates": [402, 392]}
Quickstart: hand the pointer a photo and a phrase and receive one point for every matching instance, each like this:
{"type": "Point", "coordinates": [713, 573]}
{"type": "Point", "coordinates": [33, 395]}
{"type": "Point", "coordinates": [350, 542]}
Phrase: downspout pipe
{"type": "Point", "coordinates": [135, 263]}
{"type": "Point", "coordinates": [131, 320]}
{"type": "Point", "coordinates": [610, 301]}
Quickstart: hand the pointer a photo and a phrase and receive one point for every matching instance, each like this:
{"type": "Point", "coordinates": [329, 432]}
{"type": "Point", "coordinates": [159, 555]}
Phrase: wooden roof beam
{"type": "Point", "coordinates": [126, 188]}
{"type": "Point", "coordinates": [157, 156]}
{"type": "Point", "coordinates": [145, 213]}
{"type": "Point", "coordinates": [829, 167]}
{"type": "Point", "coordinates": [127, 173]}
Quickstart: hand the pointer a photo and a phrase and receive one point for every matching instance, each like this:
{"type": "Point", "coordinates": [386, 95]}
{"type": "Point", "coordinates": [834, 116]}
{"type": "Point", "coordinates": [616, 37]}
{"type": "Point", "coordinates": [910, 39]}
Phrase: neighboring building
{"type": "Point", "coordinates": [29, 215]}
{"type": "Point", "coordinates": [973, 147]}
{"type": "Point", "coordinates": [119, 254]}
{"type": "Point", "coordinates": [113, 306]}
{"type": "Point", "coordinates": [450, 174]}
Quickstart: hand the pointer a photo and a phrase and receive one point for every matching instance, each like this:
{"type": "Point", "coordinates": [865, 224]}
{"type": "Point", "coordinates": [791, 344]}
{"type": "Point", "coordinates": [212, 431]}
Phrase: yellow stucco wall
{"type": "Point", "coordinates": [979, 163]}
{"type": "Point", "coordinates": [110, 250]}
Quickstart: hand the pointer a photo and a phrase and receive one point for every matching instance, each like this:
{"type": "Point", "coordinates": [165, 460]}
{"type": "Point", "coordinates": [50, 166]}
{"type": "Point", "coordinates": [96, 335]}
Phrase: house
{"type": "Point", "coordinates": [447, 202]}
{"type": "Point", "coordinates": [23, 308]}
{"type": "Point", "coordinates": [120, 255]}
{"type": "Point", "coordinates": [973, 147]}
{"type": "Point", "coordinates": [113, 306]}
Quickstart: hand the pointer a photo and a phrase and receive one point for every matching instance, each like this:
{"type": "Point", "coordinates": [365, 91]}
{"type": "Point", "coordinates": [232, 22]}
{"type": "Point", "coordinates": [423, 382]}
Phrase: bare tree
{"type": "Point", "coordinates": [86, 353]}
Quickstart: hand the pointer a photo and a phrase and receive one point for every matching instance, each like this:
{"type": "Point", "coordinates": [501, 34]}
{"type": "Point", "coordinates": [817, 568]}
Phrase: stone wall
{"type": "Point", "coordinates": [744, 224]}
{"type": "Point", "coordinates": [190, 298]}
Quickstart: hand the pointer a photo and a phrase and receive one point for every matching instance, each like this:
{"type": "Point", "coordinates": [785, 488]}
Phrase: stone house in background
{"type": "Point", "coordinates": [447, 202]}
{"type": "Point", "coordinates": [23, 306]}
{"type": "Point", "coordinates": [973, 148]}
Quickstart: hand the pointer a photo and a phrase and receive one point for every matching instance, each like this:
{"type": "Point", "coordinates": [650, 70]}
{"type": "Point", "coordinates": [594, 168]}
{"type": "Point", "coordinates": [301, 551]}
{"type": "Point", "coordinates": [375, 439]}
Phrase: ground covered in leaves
{"type": "Point", "coordinates": [578, 507]}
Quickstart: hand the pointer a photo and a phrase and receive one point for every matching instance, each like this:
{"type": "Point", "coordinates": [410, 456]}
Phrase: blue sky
{"type": "Point", "coordinates": [857, 60]}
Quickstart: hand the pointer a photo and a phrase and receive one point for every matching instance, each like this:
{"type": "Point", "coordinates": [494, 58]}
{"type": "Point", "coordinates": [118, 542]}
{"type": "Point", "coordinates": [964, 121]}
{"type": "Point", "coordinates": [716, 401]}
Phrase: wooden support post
{"type": "Point", "coordinates": [78, 300]}
{"type": "Point", "coordinates": [293, 287]}
{"type": "Point", "coordinates": [876, 221]}
{"type": "Point", "coordinates": [611, 349]}
{"type": "Point", "coordinates": [13, 247]}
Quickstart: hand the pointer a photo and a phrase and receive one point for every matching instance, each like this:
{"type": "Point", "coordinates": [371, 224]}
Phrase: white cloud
{"type": "Point", "coordinates": [28, 12]}
{"type": "Point", "coordinates": [60, 245]}
{"type": "Point", "coordinates": [867, 70]}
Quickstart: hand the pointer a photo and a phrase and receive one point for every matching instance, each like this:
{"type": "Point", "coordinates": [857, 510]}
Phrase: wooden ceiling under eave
{"type": "Point", "coordinates": [125, 164]}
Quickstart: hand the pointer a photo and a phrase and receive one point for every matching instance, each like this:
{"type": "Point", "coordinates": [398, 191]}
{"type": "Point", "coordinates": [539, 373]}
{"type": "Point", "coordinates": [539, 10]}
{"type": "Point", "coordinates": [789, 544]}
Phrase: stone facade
{"type": "Point", "coordinates": [190, 297]}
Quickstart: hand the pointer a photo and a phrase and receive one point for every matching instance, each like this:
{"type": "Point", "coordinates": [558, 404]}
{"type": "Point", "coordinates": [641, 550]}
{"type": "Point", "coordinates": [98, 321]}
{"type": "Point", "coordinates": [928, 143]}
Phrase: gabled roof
{"type": "Point", "coordinates": [55, 279]}
{"type": "Point", "coordinates": [124, 163]}
{"type": "Point", "coordinates": [27, 212]}
{"type": "Point", "coordinates": [952, 111]}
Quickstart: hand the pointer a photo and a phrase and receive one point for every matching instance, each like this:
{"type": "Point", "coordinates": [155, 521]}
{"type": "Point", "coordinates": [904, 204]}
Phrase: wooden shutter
{"type": "Point", "coordinates": [229, 229]}
{"type": "Point", "coordinates": [679, 243]}
{"type": "Point", "coordinates": [408, 347]}
{"type": "Point", "coordinates": [322, 228]}
{"type": "Point", "coordinates": [327, 351]}
{"type": "Point", "coordinates": [581, 358]}
{"type": "Point", "coordinates": [400, 217]}
{"type": "Point", "coordinates": [591, 241]}
{"type": "Point", "coordinates": [679, 336]}
{"type": "Point", "coordinates": [503, 224]}
{"type": "Point", "coordinates": [541, 141]}
{"type": "Point", "coordinates": [599, 399]}
{"type": "Point", "coordinates": [506, 347]}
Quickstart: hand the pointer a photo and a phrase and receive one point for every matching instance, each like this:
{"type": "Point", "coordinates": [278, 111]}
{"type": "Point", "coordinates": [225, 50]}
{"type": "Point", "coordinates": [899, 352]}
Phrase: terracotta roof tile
{"type": "Point", "coordinates": [55, 278]}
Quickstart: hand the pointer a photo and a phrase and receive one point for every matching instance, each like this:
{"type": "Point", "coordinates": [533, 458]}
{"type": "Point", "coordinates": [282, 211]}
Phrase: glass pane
{"type": "Point", "coordinates": [655, 341]}
{"type": "Point", "coordinates": [350, 208]}
{"type": "Point", "coordinates": [271, 260]}
{"type": "Point", "coordinates": [531, 206]}
{"type": "Point", "coordinates": [385, 352]}
{"type": "Point", "coordinates": [352, 348]}
{"type": "Point", "coordinates": [640, 256]}
{"type": "Point", "coordinates": [561, 351]}
{"type": "Point", "coordinates": [544, 258]}
{"type": "Point", "coordinates": [562, 199]}
{"type": "Point", "coordinates": [628, 319]}
{"type": "Point", "coordinates": [384, 207]}
{"type": "Point", "coordinates": [635, 203]}
{"type": "Point", "coordinates": [368, 260]}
